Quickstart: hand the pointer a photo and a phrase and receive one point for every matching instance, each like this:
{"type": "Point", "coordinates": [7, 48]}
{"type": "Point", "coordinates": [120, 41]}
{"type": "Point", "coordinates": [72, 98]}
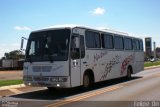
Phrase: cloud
{"type": "Point", "coordinates": [98, 11]}
{"type": "Point", "coordinates": [20, 28]}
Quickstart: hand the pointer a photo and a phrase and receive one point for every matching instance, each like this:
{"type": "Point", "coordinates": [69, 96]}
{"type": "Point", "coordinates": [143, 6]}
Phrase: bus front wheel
{"type": "Point", "coordinates": [87, 81]}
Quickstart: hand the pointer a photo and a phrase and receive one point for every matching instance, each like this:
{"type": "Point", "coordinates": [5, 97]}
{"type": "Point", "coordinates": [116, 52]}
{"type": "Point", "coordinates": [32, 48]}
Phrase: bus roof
{"type": "Point", "coordinates": [70, 26]}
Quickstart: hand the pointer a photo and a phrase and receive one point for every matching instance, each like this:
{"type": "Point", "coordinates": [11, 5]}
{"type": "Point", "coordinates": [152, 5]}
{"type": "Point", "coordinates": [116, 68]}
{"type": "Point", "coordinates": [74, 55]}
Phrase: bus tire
{"type": "Point", "coordinates": [129, 72]}
{"type": "Point", "coordinates": [87, 81]}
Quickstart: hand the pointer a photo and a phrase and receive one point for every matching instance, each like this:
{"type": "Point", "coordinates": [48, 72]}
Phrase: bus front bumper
{"type": "Point", "coordinates": [57, 82]}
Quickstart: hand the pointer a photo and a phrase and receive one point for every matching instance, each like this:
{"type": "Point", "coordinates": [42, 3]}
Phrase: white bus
{"type": "Point", "coordinates": [71, 56]}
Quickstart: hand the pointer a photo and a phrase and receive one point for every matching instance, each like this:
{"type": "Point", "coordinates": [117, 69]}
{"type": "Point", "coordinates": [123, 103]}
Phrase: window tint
{"type": "Point", "coordinates": [136, 44]}
{"type": "Point", "coordinates": [82, 46]}
{"type": "Point", "coordinates": [77, 51]}
{"type": "Point", "coordinates": [107, 41]}
{"type": "Point", "coordinates": [128, 43]}
{"type": "Point", "coordinates": [92, 39]}
{"type": "Point", "coordinates": [118, 42]}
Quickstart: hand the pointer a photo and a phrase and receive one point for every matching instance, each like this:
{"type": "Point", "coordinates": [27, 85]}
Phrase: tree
{"type": "Point", "coordinates": [158, 52]}
{"type": "Point", "coordinates": [16, 54]}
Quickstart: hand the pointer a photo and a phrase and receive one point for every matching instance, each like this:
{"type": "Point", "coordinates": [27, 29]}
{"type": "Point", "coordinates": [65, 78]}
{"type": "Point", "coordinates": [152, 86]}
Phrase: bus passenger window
{"type": "Point", "coordinates": [118, 42]}
{"type": "Point", "coordinates": [107, 41]}
{"type": "Point", "coordinates": [92, 39]}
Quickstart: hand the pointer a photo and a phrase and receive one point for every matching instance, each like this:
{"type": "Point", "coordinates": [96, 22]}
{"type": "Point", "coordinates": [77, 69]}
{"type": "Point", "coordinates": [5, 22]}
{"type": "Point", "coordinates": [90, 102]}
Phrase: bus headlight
{"type": "Point", "coordinates": [58, 79]}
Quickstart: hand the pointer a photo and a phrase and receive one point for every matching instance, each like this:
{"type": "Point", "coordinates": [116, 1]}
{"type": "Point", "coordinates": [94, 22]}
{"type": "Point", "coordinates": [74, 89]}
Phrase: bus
{"type": "Point", "coordinates": [71, 56]}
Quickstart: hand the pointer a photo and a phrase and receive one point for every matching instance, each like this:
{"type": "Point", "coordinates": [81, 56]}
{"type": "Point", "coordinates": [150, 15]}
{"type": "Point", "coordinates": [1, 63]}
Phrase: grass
{"type": "Point", "coordinates": [10, 82]}
{"type": "Point", "coordinates": [149, 64]}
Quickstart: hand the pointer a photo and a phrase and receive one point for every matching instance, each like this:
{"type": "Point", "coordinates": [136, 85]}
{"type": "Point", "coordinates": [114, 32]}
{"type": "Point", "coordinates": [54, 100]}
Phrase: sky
{"type": "Point", "coordinates": [19, 17]}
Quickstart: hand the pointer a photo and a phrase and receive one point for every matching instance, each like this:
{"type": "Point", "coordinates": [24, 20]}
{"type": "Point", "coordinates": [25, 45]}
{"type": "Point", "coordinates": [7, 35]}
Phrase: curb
{"type": "Point", "coordinates": [12, 86]}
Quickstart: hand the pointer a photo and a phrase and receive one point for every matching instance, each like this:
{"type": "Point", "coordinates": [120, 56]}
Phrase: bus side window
{"type": "Point", "coordinates": [82, 46]}
{"type": "Point", "coordinates": [118, 42]}
{"type": "Point", "coordinates": [92, 39]}
{"type": "Point", "coordinates": [128, 43]}
{"type": "Point", "coordinates": [136, 45]}
{"type": "Point", "coordinates": [107, 41]}
{"type": "Point", "coordinates": [141, 45]}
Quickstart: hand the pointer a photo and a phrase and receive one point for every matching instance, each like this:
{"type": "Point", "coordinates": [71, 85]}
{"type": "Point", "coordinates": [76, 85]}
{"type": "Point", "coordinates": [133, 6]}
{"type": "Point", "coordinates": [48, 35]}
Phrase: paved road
{"type": "Point", "coordinates": [11, 75]}
{"type": "Point", "coordinates": [143, 90]}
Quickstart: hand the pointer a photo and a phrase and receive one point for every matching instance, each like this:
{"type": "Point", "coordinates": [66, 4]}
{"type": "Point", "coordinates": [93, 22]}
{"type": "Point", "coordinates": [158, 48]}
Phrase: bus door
{"type": "Point", "coordinates": [77, 52]}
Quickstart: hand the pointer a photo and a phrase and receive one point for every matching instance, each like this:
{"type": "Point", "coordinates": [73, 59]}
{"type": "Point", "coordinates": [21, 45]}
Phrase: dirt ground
{"type": "Point", "coordinates": [11, 75]}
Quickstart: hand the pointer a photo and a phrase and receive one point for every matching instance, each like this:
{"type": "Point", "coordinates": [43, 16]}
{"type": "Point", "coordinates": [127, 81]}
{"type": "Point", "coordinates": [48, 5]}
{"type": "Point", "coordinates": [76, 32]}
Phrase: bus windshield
{"type": "Point", "coordinates": [51, 45]}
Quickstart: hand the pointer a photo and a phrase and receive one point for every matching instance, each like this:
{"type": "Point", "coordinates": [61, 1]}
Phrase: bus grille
{"type": "Point", "coordinates": [42, 68]}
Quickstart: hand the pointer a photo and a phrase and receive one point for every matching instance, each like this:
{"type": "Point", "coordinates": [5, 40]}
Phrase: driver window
{"type": "Point", "coordinates": [75, 50]}
{"type": "Point", "coordinates": [77, 47]}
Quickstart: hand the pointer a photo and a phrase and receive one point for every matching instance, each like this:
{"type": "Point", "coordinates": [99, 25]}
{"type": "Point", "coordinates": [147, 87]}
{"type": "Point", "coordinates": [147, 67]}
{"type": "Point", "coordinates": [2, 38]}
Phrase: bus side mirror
{"type": "Point", "coordinates": [23, 39]}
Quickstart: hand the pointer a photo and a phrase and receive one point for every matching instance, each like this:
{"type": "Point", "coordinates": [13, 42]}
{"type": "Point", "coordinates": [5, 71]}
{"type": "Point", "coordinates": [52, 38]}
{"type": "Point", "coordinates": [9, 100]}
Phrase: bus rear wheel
{"type": "Point", "coordinates": [129, 72]}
